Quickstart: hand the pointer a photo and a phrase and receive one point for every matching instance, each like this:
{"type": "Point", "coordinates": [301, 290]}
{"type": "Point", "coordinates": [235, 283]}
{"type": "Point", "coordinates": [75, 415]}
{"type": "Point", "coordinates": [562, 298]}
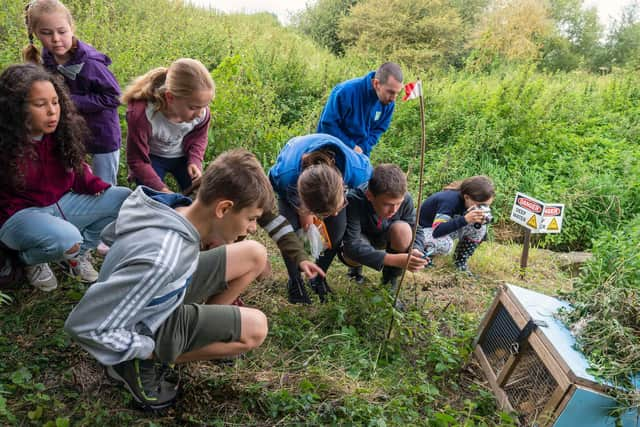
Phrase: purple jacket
{"type": "Point", "coordinates": [95, 91]}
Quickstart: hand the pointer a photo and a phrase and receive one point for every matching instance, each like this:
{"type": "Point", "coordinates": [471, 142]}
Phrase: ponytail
{"type": "Point", "coordinates": [148, 87]}
{"type": "Point", "coordinates": [30, 52]}
{"type": "Point", "coordinates": [183, 77]}
{"type": "Point", "coordinates": [479, 188]}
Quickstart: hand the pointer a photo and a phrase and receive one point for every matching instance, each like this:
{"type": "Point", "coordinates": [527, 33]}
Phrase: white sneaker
{"type": "Point", "coordinates": [85, 269]}
{"type": "Point", "coordinates": [41, 277]}
{"type": "Point", "coordinates": [80, 267]}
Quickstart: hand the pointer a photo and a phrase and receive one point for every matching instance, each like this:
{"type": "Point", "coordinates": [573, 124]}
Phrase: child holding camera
{"type": "Point", "coordinates": [460, 211]}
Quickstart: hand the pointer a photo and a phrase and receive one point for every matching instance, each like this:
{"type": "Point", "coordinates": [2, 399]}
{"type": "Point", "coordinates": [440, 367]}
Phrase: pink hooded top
{"type": "Point", "coordinates": [46, 180]}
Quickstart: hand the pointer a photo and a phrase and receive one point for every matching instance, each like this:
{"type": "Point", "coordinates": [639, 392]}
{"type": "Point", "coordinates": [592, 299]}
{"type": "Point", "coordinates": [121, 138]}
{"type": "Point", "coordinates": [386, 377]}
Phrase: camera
{"type": "Point", "coordinates": [487, 218]}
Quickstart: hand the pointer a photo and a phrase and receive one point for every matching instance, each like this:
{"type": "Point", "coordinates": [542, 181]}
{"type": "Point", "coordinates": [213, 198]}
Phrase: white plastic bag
{"type": "Point", "coordinates": [314, 239]}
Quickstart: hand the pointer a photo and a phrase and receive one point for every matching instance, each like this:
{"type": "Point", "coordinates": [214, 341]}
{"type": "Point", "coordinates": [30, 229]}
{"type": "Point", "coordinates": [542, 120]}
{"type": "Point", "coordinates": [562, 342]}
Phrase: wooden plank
{"type": "Point", "coordinates": [549, 414]}
{"type": "Point", "coordinates": [489, 317]}
{"type": "Point", "coordinates": [508, 368]}
{"type": "Point", "coordinates": [514, 309]}
{"type": "Point", "coordinates": [501, 397]}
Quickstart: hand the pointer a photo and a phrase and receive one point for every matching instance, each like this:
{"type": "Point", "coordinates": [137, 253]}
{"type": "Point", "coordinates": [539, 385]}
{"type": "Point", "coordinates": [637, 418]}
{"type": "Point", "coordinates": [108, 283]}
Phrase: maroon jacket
{"type": "Point", "coordinates": [138, 132]}
{"type": "Point", "coordinates": [46, 180]}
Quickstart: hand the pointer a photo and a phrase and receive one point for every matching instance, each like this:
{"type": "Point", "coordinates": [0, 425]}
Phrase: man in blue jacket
{"type": "Point", "coordinates": [359, 111]}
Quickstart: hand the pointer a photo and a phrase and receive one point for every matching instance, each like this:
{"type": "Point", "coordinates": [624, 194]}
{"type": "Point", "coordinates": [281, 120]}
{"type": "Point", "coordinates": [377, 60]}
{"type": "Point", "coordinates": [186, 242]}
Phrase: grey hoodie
{"type": "Point", "coordinates": [142, 280]}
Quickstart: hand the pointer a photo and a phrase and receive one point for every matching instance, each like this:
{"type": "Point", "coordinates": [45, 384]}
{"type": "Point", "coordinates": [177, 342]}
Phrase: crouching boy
{"type": "Point", "coordinates": [158, 299]}
{"type": "Point", "coordinates": [380, 218]}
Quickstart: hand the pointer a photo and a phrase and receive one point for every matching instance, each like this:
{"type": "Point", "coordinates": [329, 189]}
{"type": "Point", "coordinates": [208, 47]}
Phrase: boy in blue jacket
{"type": "Point", "coordinates": [359, 111]}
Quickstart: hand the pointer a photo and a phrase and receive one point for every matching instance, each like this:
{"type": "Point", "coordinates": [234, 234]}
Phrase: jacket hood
{"type": "Point", "coordinates": [135, 213]}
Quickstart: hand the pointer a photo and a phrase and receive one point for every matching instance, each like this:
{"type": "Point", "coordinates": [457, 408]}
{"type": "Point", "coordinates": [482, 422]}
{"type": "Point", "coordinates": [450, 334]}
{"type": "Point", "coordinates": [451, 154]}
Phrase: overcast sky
{"type": "Point", "coordinates": [607, 9]}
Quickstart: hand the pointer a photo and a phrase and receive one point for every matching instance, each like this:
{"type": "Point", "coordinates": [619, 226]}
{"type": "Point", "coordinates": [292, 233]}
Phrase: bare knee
{"type": "Point", "coordinates": [400, 235]}
{"type": "Point", "coordinates": [257, 254]}
{"type": "Point", "coordinates": [255, 327]}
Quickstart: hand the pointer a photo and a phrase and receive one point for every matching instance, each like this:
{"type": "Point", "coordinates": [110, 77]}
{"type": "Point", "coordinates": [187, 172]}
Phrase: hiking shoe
{"type": "Point", "coordinates": [297, 292]}
{"type": "Point", "coordinates": [41, 277]}
{"type": "Point", "coordinates": [320, 287]}
{"type": "Point", "coordinates": [80, 268]}
{"type": "Point", "coordinates": [145, 383]}
{"type": "Point", "coordinates": [355, 275]}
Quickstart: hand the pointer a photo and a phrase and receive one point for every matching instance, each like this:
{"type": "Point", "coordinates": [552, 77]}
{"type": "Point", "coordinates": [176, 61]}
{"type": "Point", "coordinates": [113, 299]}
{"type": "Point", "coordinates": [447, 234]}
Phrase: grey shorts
{"type": "Point", "coordinates": [194, 324]}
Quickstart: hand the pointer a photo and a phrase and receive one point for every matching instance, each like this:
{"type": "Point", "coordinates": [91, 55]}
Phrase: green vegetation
{"type": "Point", "coordinates": [606, 314]}
{"type": "Point", "coordinates": [536, 120]}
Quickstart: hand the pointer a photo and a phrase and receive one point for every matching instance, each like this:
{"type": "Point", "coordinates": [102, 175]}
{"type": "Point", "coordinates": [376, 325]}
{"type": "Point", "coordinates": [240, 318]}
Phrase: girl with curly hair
{"type": "Point", "coordinates": [52, 207]}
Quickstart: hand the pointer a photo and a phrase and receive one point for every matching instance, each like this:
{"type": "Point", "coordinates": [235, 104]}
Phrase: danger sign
{"type": "Point", "coordinates": [551, 218]}
{"type": "Point", "coordinates": [537, 216]}
{"type": "Point", "coordinates": [527, 211]}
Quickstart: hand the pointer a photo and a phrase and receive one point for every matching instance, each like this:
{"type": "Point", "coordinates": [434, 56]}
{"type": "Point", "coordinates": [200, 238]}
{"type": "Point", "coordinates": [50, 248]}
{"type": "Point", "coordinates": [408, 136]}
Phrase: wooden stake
{"type": "Point", "coordinates": [525, 252]}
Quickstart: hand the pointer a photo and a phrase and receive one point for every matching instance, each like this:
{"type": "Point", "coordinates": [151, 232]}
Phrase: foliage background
{"type": "Point", "coordinates": [557, 119]}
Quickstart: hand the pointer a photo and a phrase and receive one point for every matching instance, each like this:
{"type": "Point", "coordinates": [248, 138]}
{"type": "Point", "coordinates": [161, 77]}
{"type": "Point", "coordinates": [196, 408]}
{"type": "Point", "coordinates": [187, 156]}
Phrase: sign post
{"type": "Point", "coordinates": [536, 217]}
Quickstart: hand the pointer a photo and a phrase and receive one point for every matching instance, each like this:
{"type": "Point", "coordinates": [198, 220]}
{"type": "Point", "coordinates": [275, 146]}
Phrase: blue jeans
{"type": "Point", "coordinates": [177, 166]}
{"type": "Point", "coordinates": [105, 166]}
{"type": "Point", "coordinates": [45, 234]}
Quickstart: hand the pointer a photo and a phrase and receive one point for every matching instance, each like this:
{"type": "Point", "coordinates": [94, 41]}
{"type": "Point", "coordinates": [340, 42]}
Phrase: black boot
{"type": "Point", "coordinates": [390, 277]}
{"type": "Point", "coordinates": [355, 275]}
{"type": "Point", "coordinates": [463, 252]}
{"type": "Point", "coordinates": [297, 292]}
{"type": "Point", "coordinates": [320, 287]}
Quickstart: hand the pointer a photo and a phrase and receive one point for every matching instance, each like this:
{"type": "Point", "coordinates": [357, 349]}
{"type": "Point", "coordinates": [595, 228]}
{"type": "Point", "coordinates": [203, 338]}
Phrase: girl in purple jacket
{"type": "Point", "coordinates": [52, 208]}
{"type": "Point", "coordinates": [167, 121]}
{"type": "Point", "coordinates": [94, 89]}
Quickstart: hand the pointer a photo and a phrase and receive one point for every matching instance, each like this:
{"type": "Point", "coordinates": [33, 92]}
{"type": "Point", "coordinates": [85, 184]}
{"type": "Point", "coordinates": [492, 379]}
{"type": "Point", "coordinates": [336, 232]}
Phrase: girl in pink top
{"type": "Point", "coordinates": [167, 121]}
{"type": "Point", "coordinates": [52, 208]}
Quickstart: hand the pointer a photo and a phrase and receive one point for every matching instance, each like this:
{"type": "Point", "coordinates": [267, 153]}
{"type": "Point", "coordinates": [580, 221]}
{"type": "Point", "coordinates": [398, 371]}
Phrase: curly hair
{"type": "Point", "coordinates": [16, 145]}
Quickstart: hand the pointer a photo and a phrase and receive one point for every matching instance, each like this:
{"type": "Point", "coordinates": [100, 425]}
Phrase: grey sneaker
{"type": "Point", "coordinates": [41, 277]}
{"type": "Point", "coordinates": [80, 267]}
{"type": "Point", "coordinates": [145, 383]}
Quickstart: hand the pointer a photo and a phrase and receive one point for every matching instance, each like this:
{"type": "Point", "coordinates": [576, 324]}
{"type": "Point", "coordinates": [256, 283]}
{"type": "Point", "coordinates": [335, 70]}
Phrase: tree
{"type": "Point", "coordinates": [320, 22]}
{"type": "Point", "coordinates": [512, 30]}
{"type": "Point", "coordinates": [581, 29]}
{"type": "Point", "coordinates": [624, 38]}
{"type": "Point", "coordinates": [419, 33]}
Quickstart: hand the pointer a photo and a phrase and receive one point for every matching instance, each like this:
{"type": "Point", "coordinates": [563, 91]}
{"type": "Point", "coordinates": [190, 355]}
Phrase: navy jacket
{"type": "Point", "coordinates": [448, 206]}
{"type": "Point", "coordinates": [362, 221]}
{"type": "Point", "coordinates": [354, 167]}
{"type": "Point", "coordinates": [94, 91]}
{"type": "Point", "coordinates": [354, 114]}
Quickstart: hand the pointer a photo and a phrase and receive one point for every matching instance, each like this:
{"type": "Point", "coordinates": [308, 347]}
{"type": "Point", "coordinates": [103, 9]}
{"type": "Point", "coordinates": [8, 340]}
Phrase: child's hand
{"type": "Point", "coordinates": [357, 149]}
{"type": "Point", "coordinates": [474, 216]}
{"type": "Point", "coordinates": [310, 269]}
{"type": "Point", "coordinates": [417, 261]}
{"type": "Point", "coordinates": [194, 171]}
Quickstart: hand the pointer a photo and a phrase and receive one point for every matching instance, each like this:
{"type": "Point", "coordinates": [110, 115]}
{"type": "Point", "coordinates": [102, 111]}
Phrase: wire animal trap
{"type": "Point", "coordinates": [529, 359]}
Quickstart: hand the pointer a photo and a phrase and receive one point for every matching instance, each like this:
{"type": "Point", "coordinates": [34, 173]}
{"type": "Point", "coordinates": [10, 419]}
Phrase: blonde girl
{"type": "Point", "coordinates": [167, 120]}
{"type": "Point", "coordinates": [94, 89]}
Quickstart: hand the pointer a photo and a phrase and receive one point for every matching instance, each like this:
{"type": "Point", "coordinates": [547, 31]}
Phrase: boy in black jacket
{"type": "Point", "coordinates": [380, 220]}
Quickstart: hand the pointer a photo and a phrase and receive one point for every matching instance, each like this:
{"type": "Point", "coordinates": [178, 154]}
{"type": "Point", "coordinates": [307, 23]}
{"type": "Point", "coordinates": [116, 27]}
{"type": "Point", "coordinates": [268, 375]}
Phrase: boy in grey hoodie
{"type": "Point", "coordinates": [158, 299]}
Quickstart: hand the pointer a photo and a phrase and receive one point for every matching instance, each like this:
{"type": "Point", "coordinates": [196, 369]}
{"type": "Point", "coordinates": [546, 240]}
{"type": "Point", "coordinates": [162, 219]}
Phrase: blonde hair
{"type": "Point", "coordinates": [183, 77]}
{"type": "Point", "coordinates": [33, 12]}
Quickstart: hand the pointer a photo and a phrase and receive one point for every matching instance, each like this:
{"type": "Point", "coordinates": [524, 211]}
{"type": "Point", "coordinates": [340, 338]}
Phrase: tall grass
{"type": "Point", "coordinates": [568, 138]}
